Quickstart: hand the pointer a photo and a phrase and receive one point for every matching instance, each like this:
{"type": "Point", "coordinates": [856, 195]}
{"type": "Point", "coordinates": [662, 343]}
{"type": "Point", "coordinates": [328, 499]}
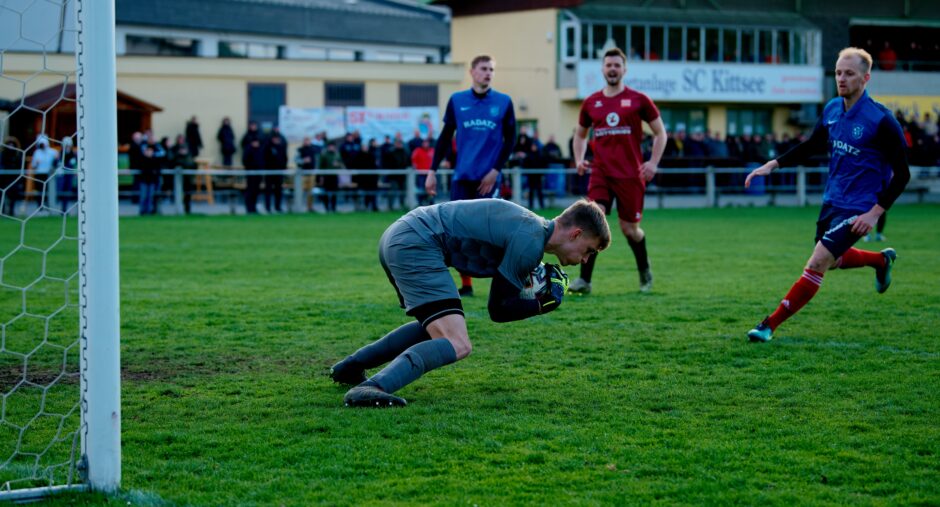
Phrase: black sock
{"type": "Point", "coordinates": [390, 346]}
{"type": "Point", "coordinates": [414, 362]}
{"type": "Point", "coordinates": [881, 223]}
{"type": "Point", "coordinates": [639, 251]}
{"type": "Point", "coordinates": [587, 269]}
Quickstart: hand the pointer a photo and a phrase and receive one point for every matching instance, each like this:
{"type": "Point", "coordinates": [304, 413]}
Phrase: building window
{"type": "Point", "coordinates": [264, 101]}
{"type": "Point", "coordinates": [228, 49]}
{"type": "Point", "coordinates": [342, 55]}
{"type": "Point", "coordinates": [162, 46]}
{"type": "Point", "coordinates": [345, 94]}
{"type": "Point", "coordinates": [691, 43]}
{"type": "Point", "coordinates": [690, 120]}
{"type": "Point", "coordinates": [417, 95]}
{"type": "Point", "coordinates": [310, 53]}
{"type": "Point", "coordinates": [749, 122]}
{"type": "Point", "coordinates": [637, 43]}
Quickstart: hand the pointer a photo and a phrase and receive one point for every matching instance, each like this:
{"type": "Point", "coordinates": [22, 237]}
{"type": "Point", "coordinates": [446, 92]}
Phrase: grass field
{"type": "Point", "coordinates": [231, 323]}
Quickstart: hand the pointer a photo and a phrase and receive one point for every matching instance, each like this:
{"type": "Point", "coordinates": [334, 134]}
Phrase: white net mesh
{"type": "Point", "coordinates": [39, 314]}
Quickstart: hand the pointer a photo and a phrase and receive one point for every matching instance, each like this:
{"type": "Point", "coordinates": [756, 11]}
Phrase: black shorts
{"type": "Point", "coordinates": [464, 190]}
{"type": "Point", "coordinates": [834, 229]}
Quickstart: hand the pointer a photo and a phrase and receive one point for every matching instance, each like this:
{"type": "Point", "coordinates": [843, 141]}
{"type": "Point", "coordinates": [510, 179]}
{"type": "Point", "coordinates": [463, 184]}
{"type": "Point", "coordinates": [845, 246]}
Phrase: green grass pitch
{"type": "Point", "coordinates": [231, 323]}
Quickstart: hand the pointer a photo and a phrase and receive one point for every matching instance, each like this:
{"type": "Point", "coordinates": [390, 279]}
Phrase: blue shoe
{"type": "Point", "coordinates": [762, 333]}
{"type": "Point", "coordinates": [883, 275]}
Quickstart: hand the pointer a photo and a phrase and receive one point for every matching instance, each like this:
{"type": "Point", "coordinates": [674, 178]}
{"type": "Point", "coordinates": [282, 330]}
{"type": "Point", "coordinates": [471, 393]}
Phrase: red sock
{"type": "Point", "coordinates": [802, 291]}
{"type": "Point", "coordinates": [466, 281]}
{"type": "Point", "coordinates": [855, 258]}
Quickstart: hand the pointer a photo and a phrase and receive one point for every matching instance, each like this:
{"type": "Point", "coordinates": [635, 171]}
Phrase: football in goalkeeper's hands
{"type": "Point", "coordinates": [536, 284]}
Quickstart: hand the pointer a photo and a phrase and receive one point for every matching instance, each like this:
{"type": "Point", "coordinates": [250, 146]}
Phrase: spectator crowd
{"type": "Point", "coordinates": [267, 152]}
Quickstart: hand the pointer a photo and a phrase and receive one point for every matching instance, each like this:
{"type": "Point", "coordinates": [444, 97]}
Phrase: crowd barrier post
{"type": "Point", "coordinates": [411, 188]}
{"type": "Point", "coordinates": [801, 186]}
{"type": "Point", "coordinates": [178, 190]}
{"type": "Point", "coordinates": [711, 197]}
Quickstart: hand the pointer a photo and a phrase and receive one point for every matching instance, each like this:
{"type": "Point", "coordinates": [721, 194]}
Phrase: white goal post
{"type": "Point", "coordinates": [60, 411]}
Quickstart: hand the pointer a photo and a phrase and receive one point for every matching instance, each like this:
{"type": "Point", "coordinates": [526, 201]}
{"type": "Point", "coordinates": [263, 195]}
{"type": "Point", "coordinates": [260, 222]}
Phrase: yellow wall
{"type": "Point", "coordinates": [214, 88]}
{"type": "Point", "coordinates": [211, 88]}
{"type": "Point", "coordinates": [717, 118]}
{"type": "Point", "coordinates": [523, 45]}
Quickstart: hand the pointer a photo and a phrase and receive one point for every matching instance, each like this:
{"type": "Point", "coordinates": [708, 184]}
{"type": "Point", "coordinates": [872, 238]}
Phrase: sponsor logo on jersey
{"type": "Point", "coordinates": [479, 124]}
{"type": "Point", "coordinates": [613, 119]}
{"type": "Point", "coordinates": [625, 102]}
{"type": "Point", "coordinates": [605, 131]}
{"type": "Point", "coordinates": [845, 147]}
{"type": "Point", "coordinates": [598, 104]}
{"type": "Point", "coordinates": [857, 131]}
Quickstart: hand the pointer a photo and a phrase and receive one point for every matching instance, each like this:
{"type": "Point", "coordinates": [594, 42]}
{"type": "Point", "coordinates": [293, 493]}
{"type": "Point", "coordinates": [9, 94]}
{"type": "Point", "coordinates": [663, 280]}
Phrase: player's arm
{"type": "Point", "coordinates": [816, 144]}
{"type": "Point", "coordinates": [442, 148]}
{"type": "Point", "coordinates": [890, 141]}
{"type": "Point", "coordinates": [509, 137]}
{"type": "Point", "coordinates": [579, 147]}
{"type": "Point", "coordinates": [649, 168]}
{"type": "Point", "coordinates": [509, 141]}
{"type": "Point", "coordinates": [505, 305]}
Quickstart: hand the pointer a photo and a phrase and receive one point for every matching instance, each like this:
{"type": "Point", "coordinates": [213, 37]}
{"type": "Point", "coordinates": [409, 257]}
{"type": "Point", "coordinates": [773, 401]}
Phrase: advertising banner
{"type": "Point", "coordinates": [296, 123]}
{"type": "Point", "coordinates": [376, 123]}
{"type": "Point", "coordinates": [712, 82]}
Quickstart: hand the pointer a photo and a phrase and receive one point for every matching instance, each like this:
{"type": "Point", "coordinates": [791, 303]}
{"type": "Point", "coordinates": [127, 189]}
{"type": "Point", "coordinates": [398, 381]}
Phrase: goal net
{"type": "Point", "coordinates": [59, 338]}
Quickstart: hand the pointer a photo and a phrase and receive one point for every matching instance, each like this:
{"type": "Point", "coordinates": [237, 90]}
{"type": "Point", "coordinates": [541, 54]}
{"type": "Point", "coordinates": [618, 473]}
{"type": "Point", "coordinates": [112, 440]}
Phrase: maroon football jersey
{"type": "Point", "coordinates": [618, 130]}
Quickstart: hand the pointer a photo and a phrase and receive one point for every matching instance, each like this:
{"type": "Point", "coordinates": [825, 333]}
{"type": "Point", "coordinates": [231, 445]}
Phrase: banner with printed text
{"type": "Point", "coordinates": [376, 123]}
{"type": "Point", "coordinates": [712, 82]}
{"type": "Point", "coordinates": [296, 123]}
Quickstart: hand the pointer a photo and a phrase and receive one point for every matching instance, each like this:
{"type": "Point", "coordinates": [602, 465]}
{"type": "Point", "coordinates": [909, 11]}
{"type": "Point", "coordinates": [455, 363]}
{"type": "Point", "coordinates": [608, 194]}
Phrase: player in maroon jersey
{"type": "Point", "coordinates": [618, 172]}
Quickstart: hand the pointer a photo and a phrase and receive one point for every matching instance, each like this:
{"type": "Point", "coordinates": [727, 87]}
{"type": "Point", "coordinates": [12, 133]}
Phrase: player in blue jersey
{"type": "Point", "coordinates": [485, 124]}
{"type": "Point", "coordinates": [867, 172]}
{"type": "Point", "coordinates": [486, 238]}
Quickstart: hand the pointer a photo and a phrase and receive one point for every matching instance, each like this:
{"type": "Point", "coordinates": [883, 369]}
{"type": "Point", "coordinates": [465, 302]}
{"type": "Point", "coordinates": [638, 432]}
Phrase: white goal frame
{"type": "Point", "coordinates": [98, 466]}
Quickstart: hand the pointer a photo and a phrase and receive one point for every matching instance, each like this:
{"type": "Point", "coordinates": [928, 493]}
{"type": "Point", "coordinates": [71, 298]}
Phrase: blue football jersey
{"type": "Point", "coordinates": [479, 126]}
{"type": "Point", "coordinates": [858, 166]}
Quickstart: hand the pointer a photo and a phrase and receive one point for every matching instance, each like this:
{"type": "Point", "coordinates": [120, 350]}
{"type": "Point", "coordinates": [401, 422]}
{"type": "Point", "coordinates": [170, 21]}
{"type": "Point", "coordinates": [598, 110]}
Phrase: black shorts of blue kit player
{"type": "Point", "coordinates": [462, 190]}
{"type": "Point", "coordinates": [834, 229]}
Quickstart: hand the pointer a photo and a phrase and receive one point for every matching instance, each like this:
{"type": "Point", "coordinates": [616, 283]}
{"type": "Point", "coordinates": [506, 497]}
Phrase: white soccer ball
{"type": "Point", "coordinates": [536, 284]}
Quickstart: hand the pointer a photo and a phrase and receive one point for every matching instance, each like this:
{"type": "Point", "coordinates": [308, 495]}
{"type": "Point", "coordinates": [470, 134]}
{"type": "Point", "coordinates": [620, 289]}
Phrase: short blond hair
{"type": "Point", "coordinates": [863, 57]}
{"type": "Point", "coordinates": [590, 218]}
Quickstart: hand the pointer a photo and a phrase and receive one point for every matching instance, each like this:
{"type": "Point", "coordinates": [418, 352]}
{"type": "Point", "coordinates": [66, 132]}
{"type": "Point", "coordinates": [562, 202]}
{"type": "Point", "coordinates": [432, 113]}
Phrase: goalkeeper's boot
{"type": "Point", "coordinates": [646, 280]}
{"type": "Point", "coordinates": [371, 396]}
{"type": "Point", "coordinates": [579, 286]}
{"type": "Point", "coordinates": [883, 274]}
{"type": "Point", "coordinates": [762, 333]}
{"type": "Point", "coordinates": [346, 372]}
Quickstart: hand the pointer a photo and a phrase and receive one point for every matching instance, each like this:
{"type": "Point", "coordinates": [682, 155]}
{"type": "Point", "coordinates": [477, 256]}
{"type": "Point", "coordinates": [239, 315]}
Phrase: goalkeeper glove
{"type": "Point", "coordinates": [557, 286]}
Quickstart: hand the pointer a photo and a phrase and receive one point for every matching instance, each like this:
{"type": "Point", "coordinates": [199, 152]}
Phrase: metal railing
{"type": "Point", "coordinates": [712, 183]}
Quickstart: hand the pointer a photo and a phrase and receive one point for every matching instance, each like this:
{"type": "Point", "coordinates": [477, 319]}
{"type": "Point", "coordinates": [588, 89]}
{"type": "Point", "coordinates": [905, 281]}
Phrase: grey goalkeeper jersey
{"type": "Point", "coordinates": [484, 236]}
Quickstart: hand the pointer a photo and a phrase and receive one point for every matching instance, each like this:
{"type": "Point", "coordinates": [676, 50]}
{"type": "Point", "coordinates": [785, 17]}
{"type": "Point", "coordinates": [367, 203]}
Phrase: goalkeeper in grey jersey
{"type": "Point", "coordinates": [484, 238]}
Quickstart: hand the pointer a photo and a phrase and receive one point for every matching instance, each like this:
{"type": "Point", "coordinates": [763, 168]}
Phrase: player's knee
{"type": "Point", "coordinates": [462, 346]}
{"type": "Point", "coordinates": [818, 264]}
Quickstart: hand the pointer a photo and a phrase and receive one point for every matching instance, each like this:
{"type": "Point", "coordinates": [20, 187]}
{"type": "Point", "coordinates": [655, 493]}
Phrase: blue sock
{"type": "Point", "coordinates": [414, 362]}
{"type": "Point", "coordinates": [389, 346]}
